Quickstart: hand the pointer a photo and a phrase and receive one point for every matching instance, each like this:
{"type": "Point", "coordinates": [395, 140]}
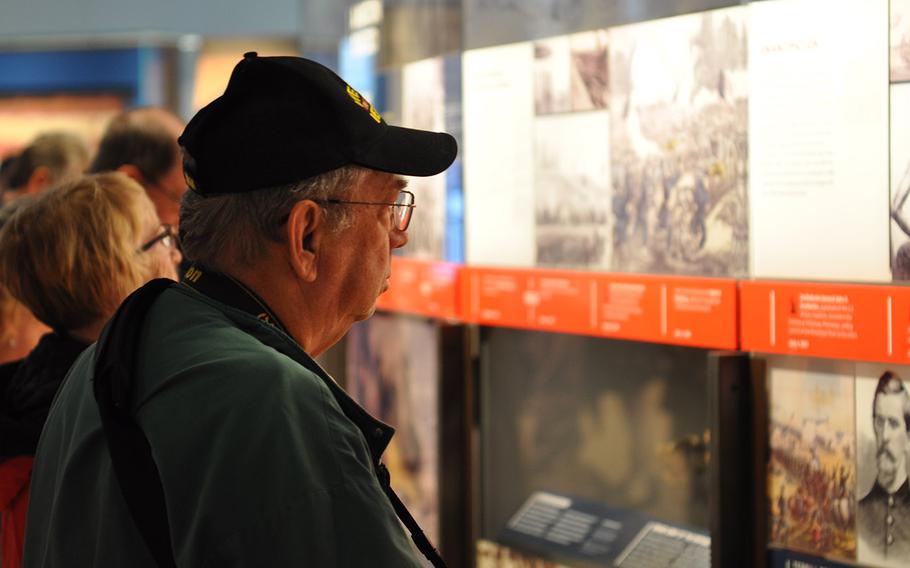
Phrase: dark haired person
{"type": "Point", "coordinates": [199, 430]}
{"type": "Point", "coordinates": [142, 143]}
{"type": "Point", "coordinates": [883, 514]}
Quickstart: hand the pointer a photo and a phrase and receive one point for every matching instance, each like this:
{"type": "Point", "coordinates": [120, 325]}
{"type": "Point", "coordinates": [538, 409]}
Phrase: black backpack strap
{"type": "Point", "coordinates": [131, 455]}
{"type": "Point", "coordinates": [420, 540]}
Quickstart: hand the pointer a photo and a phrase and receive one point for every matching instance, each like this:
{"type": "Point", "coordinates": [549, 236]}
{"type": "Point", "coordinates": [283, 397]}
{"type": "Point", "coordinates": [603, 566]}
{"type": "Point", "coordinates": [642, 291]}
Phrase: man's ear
{"type": "Point", "coordinates": [305, 228]}
{"type": "Point", "coordinates": [133, 172]}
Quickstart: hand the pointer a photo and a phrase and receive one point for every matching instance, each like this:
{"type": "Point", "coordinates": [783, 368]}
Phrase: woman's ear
{"type": "Point", "coordinates": [305, 228]}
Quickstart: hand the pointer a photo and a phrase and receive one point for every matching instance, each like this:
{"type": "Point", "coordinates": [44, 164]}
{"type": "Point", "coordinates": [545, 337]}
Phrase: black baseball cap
{"type": "Point", "coordinates": [285, 119]}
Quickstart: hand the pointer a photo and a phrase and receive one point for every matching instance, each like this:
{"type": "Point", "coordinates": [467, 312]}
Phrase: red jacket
{"type": "Point", "coordinates": [14, 480]}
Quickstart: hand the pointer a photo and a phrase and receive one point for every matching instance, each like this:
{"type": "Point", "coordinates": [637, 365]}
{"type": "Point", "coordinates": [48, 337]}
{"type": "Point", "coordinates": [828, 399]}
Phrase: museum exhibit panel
{"type": "Point", "coordinates": [655, 314]}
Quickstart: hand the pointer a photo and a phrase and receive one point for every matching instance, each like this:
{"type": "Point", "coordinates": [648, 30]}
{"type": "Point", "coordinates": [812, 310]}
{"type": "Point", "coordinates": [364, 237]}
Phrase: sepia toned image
{"type": "Point", "coordinates": [589, 64]}
{"type": "Point", "coordinates": [900, 182]}
{"type": "Point", "coordinates": [572, 190]}
{"type": "Point", "coordinates": [900, 41]}
{"type": "Point", "coordinates": [618, 423]}
{"type": "Point", "coordinates": [552, 75]}
{"type": "Point", "coordinates": [392, 371]}
{"type": "Point", "coordinates": [811, 469]}
{"type": "Point", "coordinates": [570, 73]}
{"type": "Point", "coordinates": [678, 120]}
{"type": "Point", "coordinates": [882, 494]}
{"type": "Point", "coordinates": [423, 106]}
{"type": "Point", "coordinates": [494, 555]}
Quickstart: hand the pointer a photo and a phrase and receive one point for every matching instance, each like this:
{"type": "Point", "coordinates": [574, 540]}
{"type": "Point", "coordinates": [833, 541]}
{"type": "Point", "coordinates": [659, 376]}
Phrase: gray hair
{"type": "Point", "coordinates": [233, 227]}
{"type": "Point", "coordinates": [62, 153]}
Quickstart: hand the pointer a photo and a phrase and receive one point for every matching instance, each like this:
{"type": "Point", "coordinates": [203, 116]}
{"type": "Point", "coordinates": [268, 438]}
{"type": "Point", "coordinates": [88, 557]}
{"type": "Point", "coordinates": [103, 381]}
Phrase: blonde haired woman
{"type": "Point", "coordinates": [71, 257]}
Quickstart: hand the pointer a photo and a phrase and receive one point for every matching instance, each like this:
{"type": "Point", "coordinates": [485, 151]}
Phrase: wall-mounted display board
{"type": "Point", "coordinates": [618, 423]}
{"type": "Point", "coordinates": [561, 171]}
{"type": "Point", "coordinates": [431, 289]}
{"type": "Point", "coordinates": [678, 109]}
{"type": "Point", "coordinates": [393, 372]}
{"type": "Point", "coordinates": [571, 138]}
{"type": "Point", "coordinates": [431, 100]}
{"type": "Point", "coordinates": [841, 321]}
{"type": "Point", "coordinates": [700, 312]}
{"type": "Point", "coordinates": [837, 475]}
{"type": "Point", "coordinates": [677, 310]}
{"type": "Point", "coordinates": [498, 155]}
{"type": "Point", "coordinates": [818, 139]}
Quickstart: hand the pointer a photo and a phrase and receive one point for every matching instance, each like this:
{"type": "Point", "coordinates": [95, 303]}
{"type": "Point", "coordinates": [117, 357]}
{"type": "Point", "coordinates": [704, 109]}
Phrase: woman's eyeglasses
{"type": "Point", "coordinates": [165, 236]}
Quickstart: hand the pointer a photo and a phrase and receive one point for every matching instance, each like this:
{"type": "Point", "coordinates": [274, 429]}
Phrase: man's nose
{"type": "Point", "coordinates": [398, 238]}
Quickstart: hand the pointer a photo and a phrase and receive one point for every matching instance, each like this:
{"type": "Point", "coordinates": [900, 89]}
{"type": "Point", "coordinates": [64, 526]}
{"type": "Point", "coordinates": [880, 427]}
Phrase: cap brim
{"type": "Point", "coordinates": [410, 152]}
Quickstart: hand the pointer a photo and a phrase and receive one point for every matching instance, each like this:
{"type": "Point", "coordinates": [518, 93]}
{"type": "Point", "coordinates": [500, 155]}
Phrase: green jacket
{"type": "Point", "coordinates": [263, 462]}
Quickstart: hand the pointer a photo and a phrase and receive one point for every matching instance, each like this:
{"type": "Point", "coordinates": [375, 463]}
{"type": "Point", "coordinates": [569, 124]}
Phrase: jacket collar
{"type": "Point", "coordinates": [229, 292]}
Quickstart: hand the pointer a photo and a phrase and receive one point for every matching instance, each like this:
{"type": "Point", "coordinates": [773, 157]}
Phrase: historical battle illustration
{"type": "Point", "coordinates": [811, 470]}
{"type": "Point", "coordinates": [679, 153]}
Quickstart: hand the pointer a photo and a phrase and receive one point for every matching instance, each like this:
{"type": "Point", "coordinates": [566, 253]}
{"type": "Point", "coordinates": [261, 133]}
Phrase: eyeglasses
{"type": "Point", "coordinates": [165, 237]}
{"type": "Point", "coordinates": [400, 211]}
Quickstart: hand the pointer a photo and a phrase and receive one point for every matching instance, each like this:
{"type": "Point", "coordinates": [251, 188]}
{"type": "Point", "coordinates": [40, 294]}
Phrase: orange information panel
{"type": "Point", "coordinates": [840, 321]}
{"type": "Point", "coordinates": [422, 287]}
{"type": "Point", "coordinates": [662, 309]}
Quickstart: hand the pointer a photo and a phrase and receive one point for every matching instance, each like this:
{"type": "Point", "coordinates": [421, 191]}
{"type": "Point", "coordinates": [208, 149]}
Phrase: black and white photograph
{"type": "Point", "coordinates": [393, 372]}
{"type": "Point", "coordinates": [883, 447]}
{"type": "Point", "coordinates": [552, 75]}
{"type": "Point", "coordinates": [678, 119]}
{"type": "Point", "coordinates": [900, 182]}
{"type": "Point", "coordinates": [570, 73]}
{"type": "Point", "coordinates": [572, 190]}
{"type": "Point", "coordinates": [424, 107]}
{"type": "Point", "coordinates": [900, 41]}
{"type": "Point", "coordinates": [589, 66]}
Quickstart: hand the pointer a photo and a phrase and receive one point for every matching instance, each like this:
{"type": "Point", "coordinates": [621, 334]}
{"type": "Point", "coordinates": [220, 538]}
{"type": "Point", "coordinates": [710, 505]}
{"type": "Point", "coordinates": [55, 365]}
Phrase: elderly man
{"type": "Point", "coordinates": [883, 514]}
{"type": "Point", "coordinates": [142, 143]}
{"type": "Point", "coordinates": [199, 431]}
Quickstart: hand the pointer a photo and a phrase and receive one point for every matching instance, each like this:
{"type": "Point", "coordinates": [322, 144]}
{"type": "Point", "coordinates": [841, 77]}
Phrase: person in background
{"type": "Point", "coordinates": [71, 256]}
{"type": "Point", "coordinates": [50, 159]}
{"type": "Point", "coordinates": [20, 330]}
{"type": "Point", "coordinates": [142, 143]}
{"type": "Point", "coordinates": [7, 165]}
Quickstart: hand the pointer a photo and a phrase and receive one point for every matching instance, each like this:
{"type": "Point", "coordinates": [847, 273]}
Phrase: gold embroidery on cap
{"type": "Point", "coordinates": [363, 103]}
{"type": "Point", "coordinates": [190, 182]}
